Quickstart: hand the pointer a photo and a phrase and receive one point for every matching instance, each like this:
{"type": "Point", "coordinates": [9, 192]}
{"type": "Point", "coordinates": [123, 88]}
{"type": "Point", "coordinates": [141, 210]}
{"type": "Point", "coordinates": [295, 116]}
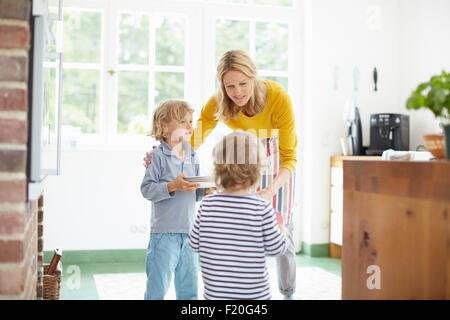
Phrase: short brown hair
{"type": "Point", "coordinates": [167, 111]}
{"type": "Point", "coordinates": [238, 160]}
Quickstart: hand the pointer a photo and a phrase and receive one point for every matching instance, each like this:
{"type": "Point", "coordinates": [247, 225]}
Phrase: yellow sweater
{"type": "Point", "coordinates": [277, 118]}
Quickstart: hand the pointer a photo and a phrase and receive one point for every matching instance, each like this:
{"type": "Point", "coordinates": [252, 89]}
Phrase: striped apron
{"type": "Point", "coordinates": [283, 201]}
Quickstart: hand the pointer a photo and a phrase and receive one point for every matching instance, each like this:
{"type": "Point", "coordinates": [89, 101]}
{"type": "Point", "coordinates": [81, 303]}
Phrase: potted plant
{"type": "Point", "coordinates": [435, 96]}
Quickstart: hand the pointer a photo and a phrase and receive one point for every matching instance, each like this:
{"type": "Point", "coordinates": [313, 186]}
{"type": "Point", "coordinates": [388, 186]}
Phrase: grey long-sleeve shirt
{"type": "Point", "coordinates": [171, 212]}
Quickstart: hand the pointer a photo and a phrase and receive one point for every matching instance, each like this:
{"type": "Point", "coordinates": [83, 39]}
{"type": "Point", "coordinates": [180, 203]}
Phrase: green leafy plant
{"type": "Point", "coordinates": [433, 95]}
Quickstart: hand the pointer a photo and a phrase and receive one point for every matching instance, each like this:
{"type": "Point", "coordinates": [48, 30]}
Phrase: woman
{"type": "Point", "coordinates": [262, 106]}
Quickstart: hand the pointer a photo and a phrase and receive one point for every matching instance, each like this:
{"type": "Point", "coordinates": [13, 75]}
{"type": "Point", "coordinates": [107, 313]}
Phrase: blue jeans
{"type": "Point", "coordinates": [170, 253]}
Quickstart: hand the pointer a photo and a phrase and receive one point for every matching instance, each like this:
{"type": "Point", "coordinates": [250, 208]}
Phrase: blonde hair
{"type": "Point", "coordinates": [238, 160]}
{"type": "Point", "coordinates": [167, 111]}
{"type": "Point", "coordinates": [238, 60]}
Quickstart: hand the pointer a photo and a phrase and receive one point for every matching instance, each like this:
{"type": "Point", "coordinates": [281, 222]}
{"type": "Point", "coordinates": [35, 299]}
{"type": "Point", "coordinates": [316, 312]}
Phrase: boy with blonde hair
{"type": "Point", "coordinates": [235, 229]}
{"type": "Point", "coordinates": [173, 203]}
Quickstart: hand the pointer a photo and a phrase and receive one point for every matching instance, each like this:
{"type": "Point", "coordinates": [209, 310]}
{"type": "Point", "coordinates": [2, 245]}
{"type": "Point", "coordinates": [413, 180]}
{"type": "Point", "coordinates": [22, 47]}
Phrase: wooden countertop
{"type": "Point", "coordinates": [336, 160]}
{"type": "Point", "coordinates": [411, 179]}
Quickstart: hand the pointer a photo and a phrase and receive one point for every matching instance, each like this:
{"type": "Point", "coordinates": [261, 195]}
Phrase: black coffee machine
{"type": "Point", "coordinates": [388, 131]}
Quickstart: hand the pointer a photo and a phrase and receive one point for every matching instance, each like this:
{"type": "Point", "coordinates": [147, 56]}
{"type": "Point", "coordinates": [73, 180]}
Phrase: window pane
{"type": "Point", "coordinates": [280, 3]}
{"type": "Point", "coordinates": [132, 102]}
{"type": "Point", "coordinates": [49, 98]}
{"type": "Point", "coordinates": [50, 48]}
{"type": "Point", "coordinates": [82, 36]}
{"type": "Point", "coordinates": [271, 46]}
{"type": "Point", "coordinates": [133, 39]}
{"type": "Point", "coordinates": [80, 100]}
{"type": "Point", "coordinates": [231, 35]}
{"type": "Point", "coordinates": [169, 85]}
{"type": "Point", "coordinates": [281, 80]}
{"type": "Point", "coordinates": [170, 39]}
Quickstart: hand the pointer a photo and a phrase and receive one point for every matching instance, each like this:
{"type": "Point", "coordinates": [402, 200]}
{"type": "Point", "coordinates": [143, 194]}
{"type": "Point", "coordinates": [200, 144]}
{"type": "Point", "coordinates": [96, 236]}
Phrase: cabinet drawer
{"type": "Point", "coordinates": [337, 199]}
{"type": "Point", "coordinates": [336, 228]}
{"type": "Point", "coordinates": [337, 177]}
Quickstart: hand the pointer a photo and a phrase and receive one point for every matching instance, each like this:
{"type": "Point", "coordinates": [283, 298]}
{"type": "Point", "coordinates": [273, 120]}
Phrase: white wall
{"type": "Point", "coordinates": [403, 39]}
{"type": "Point", "coordinates": [425, 51]}
{"type": "Point", "coordinates": [343, 34]}
{"type": "Point", "coordinates": [96, 202]}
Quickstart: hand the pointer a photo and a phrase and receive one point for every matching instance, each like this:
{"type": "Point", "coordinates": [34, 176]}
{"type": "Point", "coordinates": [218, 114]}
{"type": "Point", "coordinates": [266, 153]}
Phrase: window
{"type": "Point", "coordinates": [121, 58]}
{"type": "Point", "coordinates": [145, 79]}
{"type": "Point", "coordinates": [81, 91]}
{"type": "Point", "coordinates": [231, 34]}
{"type": "Point", "coordinates": [81, 72]}
{"type": "Point", "coordinates": [267, 43]}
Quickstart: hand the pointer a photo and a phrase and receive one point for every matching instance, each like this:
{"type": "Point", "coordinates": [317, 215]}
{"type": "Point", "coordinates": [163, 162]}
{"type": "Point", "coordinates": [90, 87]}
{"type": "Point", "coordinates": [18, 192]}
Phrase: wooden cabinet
{"type": "Point", "coordinates": [336, 206]}
{"type": "Point", "coordinates": [336, 201]}
{"type": "Point", "coordinates": [396, 219]}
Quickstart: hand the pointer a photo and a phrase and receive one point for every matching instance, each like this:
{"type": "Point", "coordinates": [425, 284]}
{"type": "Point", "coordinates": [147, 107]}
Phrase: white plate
{"type": "Point", "coordinates": [203, 181]}
{"type": "Point", "coordinates": [206, 185]}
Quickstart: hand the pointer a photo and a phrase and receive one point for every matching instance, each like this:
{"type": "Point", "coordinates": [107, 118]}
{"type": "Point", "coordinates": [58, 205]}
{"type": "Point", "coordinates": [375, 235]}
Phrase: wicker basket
{"type": "Point", "coordinates": [52, 284]}
{"type": "Point", "coordinates": [435, 143]}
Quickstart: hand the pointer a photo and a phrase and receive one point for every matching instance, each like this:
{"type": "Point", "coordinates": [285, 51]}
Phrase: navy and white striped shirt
{"type": "Point", "coordinates": [233, 234]}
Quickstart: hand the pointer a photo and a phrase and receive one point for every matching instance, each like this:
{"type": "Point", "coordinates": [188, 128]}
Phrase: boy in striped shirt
{"type": "Point", "coordinates": [234, 229]}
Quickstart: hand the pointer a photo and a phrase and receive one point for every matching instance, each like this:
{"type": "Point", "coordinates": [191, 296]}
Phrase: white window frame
{"type": "Point", "coordinates": [199, 69]}
{"type": "Point", "coordinates": [151, 68]}
{"type": "Point", "coordinates": [252, 42]}
{"type": "Point", "coordinates": [89, 6]}
{"type": "Point", "coordinates": [285, 15]}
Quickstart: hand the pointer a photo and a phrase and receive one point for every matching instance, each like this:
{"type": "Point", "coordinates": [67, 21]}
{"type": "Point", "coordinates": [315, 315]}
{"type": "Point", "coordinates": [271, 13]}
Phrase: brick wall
{"type": "Point", "coordinates": [18, 218]}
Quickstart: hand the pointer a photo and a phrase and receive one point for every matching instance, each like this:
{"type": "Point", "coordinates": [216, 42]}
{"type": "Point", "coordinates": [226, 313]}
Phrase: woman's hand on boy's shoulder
{"type": "Point", "coordinates": [148, 157]}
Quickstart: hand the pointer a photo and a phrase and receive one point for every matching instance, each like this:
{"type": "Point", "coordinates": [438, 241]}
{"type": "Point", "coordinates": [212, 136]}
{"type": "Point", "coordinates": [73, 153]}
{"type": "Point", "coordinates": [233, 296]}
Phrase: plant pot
{"type": "Point", "coordinates": [435, 143]}
{"type": "Point", "coordinates": [447, 141]}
